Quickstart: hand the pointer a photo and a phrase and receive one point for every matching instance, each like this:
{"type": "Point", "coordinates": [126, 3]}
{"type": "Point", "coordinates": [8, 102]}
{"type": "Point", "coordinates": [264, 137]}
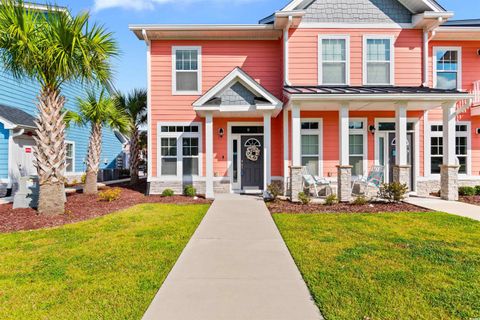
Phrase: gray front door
{"type": "Point", "coordinates": [392, 152]}
{"type": "Point", "coordinates": [252, 162]}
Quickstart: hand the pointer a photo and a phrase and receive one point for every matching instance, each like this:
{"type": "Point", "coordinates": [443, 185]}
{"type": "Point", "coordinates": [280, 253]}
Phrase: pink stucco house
{"type": "Point", "coordinates": [336, 86]}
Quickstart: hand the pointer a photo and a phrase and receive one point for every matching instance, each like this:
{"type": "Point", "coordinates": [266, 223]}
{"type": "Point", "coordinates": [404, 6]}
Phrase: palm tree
{"type": "Point", "coordinates": [99, 111]}
{"type": "Point", "coordinates": [52, 48]}
{"type": "Point", "coordinates": [135, 105]}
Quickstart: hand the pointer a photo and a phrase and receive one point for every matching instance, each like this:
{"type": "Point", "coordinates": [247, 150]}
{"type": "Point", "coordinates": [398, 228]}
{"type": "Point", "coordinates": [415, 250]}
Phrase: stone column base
{"type": "Point", "coordinates": [401, 174]}
{"type": "Point", "coordinates": [296, 183]}
{"type": "Point", "coordinates": [344, 180]}
{"type": "Point", "coordinates": [449, 182]}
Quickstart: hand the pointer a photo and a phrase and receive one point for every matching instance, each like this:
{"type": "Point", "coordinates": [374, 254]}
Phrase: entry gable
{"type": "Point", "coordinates": [237, 92]}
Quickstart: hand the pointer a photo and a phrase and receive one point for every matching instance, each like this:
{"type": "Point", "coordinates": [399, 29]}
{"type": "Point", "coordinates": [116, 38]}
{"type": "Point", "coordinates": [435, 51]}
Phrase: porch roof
{"type": "Point", "coordinates": [14, 117]}
{"type": "Point", "coordinates": [367, 90]}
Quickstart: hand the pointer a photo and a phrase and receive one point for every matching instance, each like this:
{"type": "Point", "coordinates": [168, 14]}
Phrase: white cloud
{"type": "Point", "coordinates": [140, 5]}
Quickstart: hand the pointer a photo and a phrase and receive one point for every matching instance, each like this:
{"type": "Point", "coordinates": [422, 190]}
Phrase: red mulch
{"type": "Point", "coordinates": [280, 206]}
{"type": "Point", "coordinates": [470, 199]}
{"type": "Point", "coordinates": [81, 207]}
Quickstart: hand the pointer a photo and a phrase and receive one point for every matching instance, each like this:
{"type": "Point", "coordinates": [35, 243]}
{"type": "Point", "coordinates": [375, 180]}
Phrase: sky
{"type": "Point", "coordinates": [116, 15]}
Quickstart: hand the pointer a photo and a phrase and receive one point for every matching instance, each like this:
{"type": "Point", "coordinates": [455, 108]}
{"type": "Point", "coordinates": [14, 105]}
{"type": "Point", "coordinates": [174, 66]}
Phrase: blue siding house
{"type": "Point", "coordinates": [17, 109]}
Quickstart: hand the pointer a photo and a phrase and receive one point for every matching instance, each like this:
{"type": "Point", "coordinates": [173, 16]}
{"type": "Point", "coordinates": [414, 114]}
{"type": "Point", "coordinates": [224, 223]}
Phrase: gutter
{"type": "Point", "coordinates": [189, 27]}
{"type": "Point", "coordinates": [381, 97]}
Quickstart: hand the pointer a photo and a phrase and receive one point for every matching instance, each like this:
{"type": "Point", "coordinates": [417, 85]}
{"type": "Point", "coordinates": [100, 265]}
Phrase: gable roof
{"type": "Point", "coordinates": [262, 97]}
{"type": "Point", "coordinates": [13, 117]}
{"type": "Point", "coordinates": [415, 6]}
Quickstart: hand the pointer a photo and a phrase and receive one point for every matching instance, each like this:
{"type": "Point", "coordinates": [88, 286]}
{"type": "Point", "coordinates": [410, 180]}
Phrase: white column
{"type": "Point", "coordinates": [401, 134]}
{"type": "Point", "coordinates": [209, 194]}
{"type": "Point", "coordinates": [296, 136]}
{"type": "Point", "coordinates": [285, 149]}
{"type": "Point", "coordinates": [267, 149]}
{"type": "Point", "coordinates": [343, 143]}
{"type": "Point", "coordinates": [449, 131]}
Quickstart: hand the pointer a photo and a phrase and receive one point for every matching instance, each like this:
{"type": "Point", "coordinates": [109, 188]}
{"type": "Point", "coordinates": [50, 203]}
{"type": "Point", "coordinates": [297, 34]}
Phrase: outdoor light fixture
{"type": "Point", "coordinates": [221, 132]}
{"type": "Point", "coordinates": [372, 129]}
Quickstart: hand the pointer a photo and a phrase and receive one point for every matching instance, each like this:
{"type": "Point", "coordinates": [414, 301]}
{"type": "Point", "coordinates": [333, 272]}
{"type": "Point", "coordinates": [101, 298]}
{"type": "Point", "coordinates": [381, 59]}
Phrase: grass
{"type": "Point", "coordinates": [388, 266]}
{"type": "Point", "coordinates": [105, 268]}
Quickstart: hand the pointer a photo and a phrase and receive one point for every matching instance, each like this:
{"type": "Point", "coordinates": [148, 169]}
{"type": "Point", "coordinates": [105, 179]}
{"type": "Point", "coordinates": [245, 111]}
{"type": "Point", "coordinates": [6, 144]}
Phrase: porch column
{"type": "Point", "coordinates": [401, 170]}
{"type": "Point", "coordinates": [285, 151]}
{"type": "Point", "coordinates": [449, 169]}
{"type": "Point", "coordinates": [267, 149]}
{"type": "Point", "coordinates": [344, 170]}
{"type": "Point", "coordinates": [209, 194]}
{"type": "Point", "coordinates": [296, 136]}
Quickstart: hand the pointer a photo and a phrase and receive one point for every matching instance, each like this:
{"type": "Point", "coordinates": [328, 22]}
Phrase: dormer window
{"type": "Point", "coordinates": [378, 60]}
{"type": "Point", "coordinates": [186, 65]}
{"type": "Point", "coordinates": [333, 64]}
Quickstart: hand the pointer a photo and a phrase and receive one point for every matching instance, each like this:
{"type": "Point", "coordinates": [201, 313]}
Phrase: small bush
{"type": "Point", "coordinates": [331, 200]}
{"type": "Point", "coordinates": [167, 193]}
{"type": "Point", "coordinates": [110, 195]}
{"type": "Point", "coordinates": [190, 191]}
{"type": "Point", "coordinates": [393, 192]}
{"type": "Point", "coordinates": [467, 191]}
{"type": "Point", "coordinates": [274, 189]}
{"type": "Point", "coordinates": [304, 198]}
{"type": "Point", "coordinates": [360, 201]}
{"type": "Point", "coordinates": [477, 190]}
{"type": "Point", "coordinates": [83, 178]}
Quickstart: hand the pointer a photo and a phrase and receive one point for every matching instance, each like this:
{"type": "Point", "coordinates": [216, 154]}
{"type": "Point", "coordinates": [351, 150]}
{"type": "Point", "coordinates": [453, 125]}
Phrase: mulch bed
{"type": "Point", "coordinates": [470, 199]}
{"type": "Point", "coordinates": [281, 206]}
{"type": "Point", "coordinates": [81, 207]}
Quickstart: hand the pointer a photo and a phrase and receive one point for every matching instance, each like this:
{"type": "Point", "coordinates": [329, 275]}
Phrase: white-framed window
{"type": "Point", "coordinates": [311, 145]}
{"type": "Point", "coordinates": [462, 147]}
{"type": "Point", "coordinates": [186, 70]}
{"type": "Point", "coordinates": [357, 145]}
{"type": "Point", "coordinates": [333, 60]}
{"type": "Point", "coordinates": [180, 147]}
{"type": "Point", "coordinates": [447, 67]}
{"type": "Point", "coordinates": [378, 60]}
{"type": "Point", "coordinates": [70, 157]}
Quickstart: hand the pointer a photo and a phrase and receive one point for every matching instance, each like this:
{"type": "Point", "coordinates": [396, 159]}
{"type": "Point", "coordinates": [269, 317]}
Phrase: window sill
{"type": "Point", "coordinates": [186, 93]}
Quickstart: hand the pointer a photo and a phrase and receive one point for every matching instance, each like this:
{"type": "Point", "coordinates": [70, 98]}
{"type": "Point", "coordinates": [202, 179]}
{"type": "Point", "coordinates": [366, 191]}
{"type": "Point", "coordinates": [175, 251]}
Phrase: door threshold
{"type": "Point", "coordinates": [254, 191]}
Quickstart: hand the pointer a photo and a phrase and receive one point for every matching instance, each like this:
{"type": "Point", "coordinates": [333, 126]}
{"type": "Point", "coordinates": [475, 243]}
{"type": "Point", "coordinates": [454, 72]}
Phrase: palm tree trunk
{"type": "Point", "coordinates": [50, 152]}
{"type": "Point", "coordinates": [134, 156]}
{"type": "Point", "coordinates": [93, 159]}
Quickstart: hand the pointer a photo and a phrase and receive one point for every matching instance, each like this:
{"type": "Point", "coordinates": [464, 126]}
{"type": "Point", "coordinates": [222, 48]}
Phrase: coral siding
{"type": "Point", "coordinates": [260, 59]}
{"type": "Point", "coordinates": [470, 73]}
{"type": "Point", "coordinates": [303, 59]}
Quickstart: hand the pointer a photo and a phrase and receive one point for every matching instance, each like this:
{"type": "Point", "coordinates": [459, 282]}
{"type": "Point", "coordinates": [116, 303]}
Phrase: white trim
{"type": "Point", "coordinates": [286, 151]}
{"type": "Point", "coordinates": [364, 133]}
{"type": "Point", "coordinates": [73, 157]}
{"type": "Point", "coordinates": [238, 185]}
{"type": "Point", "coordinates": [459, 67]}
{"type": "Point", "coordinates": [427, 153]}
{"type": "Point", "coordinates": [235, 75]}
{"type": "Point", "coordinates": [267, 150]}
{"type": "Point", "coordinates": [175, 92]}
{"type": "Point", "coordinates": [382, 97]}
{"type": "Point", "coordinates": [392, 57]}
{"type": "Point", "coordinates": [401, 158]}
{"type": "Point", "coordinates": [296, 132]}
{"type": "Point", "coordinates": [149, 109]}
{"type": "Point", "coordinates": [353, 25]}
{"type": "Point", "coordinates": [427, 5]}
{"type": "Point", "coordinates": [209, 191]}
{"type": "Point", "coordinates": [154, 27]}
{"type": "Point", "coordinates": [7, 124]}
{"type": "Point", "coordinates": [319, 133]}
{"type": "Point", "coordinates": [178, 136]}
{"type": "Point", "coordinates": [346, 38]}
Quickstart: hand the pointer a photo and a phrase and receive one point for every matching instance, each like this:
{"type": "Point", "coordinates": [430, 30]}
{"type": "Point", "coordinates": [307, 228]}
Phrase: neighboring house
{"type": "Point", "coordinates": [17, 114]}
{"type": "Point", "coordinates": [336, 86]}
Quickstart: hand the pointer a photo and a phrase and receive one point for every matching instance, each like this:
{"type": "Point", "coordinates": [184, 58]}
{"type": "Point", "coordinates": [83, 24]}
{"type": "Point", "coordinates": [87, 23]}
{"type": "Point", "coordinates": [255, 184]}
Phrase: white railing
{"type": "Point", "coordinates": [476, 93]}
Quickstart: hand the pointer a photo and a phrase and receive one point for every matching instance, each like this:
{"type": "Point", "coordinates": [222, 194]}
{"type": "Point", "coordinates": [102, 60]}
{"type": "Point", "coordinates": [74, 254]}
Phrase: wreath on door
{"type": "Point", "coordinates": [253, 149]}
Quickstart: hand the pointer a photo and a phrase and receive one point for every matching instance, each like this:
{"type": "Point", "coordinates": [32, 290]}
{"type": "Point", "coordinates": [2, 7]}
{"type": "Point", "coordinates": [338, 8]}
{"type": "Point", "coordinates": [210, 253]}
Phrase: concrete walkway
{"type": "Point", "coordinates": [453, 207]}
{"type": "Point", "coordinates": [236, 266]}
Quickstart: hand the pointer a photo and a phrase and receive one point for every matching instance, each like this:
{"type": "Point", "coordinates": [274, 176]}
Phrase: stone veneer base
{"type": "Point", "coordinates": [344, 182]}
{"type": "Point", "coordinates": [449, 182]}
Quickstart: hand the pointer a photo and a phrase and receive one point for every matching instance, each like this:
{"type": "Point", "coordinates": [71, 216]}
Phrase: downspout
{"type": "Point", "coordinates": [149, 108]}
{"type": "Point", "coordinates": [285, 51]}
{"type": "Point", "coordinates": [426, 41]}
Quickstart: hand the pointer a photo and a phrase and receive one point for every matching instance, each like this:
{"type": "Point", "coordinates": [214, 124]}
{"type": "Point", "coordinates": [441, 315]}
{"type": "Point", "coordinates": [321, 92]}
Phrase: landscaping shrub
{"type": "Point", "coordinates": [393, 191]}
{"type": "Point", "coordinates": [331, 200]}
{"type": "Point", "coordinates": [167, 193]}
{"type": "Point", "coordinates": [304, 198]}
{"type": "Point", "coordinates": [360, 201]}
{"type": "Point", "coordinates": [189, 191]}
{"type": "Point", "coordinates": [477, 190]}
{"type": "Point", "coordinates": [467, 191]}
{"type": "Point", "coordinates": [110, 195]}
{"type": "Point", "coordinates": [274, 189]}
{"type": "Point", "coordinates": [83, 178]}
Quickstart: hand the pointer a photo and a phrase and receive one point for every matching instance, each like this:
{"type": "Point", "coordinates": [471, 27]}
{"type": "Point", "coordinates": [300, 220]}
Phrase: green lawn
{"type": "Point", "coordinates": [388, 266]}
{"type": "Point", "coordinates": [106, 268]}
